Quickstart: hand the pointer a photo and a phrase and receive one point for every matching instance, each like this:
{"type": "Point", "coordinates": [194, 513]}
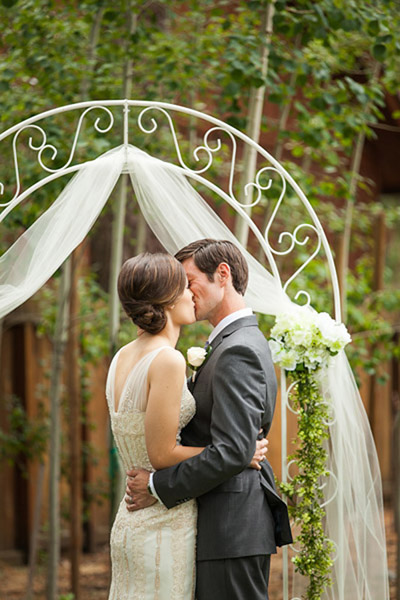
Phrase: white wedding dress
{"type": "Point", "coordinates": [153, 549]}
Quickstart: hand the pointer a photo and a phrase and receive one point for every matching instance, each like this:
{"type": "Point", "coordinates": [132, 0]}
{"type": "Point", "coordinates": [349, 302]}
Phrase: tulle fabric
{"type": "Point", "coordinates": [178, 215]}
{"type": "Point", "coordinates": [40, 250]}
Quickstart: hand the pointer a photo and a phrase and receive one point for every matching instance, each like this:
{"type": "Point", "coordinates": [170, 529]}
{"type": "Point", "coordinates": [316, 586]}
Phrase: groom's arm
{"type": "Point", "coordinates": [239, 391]}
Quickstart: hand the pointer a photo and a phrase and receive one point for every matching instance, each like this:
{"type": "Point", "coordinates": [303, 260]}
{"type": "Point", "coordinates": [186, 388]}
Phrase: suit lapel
{"type": "Point", "coordinates": [249, 321]}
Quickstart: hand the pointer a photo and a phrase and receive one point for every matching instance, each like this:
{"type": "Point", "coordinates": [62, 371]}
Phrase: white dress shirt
{"type": "Point", "coordinates": [231, 318]}
{"type": "Point", "coordinates": [238, 314]}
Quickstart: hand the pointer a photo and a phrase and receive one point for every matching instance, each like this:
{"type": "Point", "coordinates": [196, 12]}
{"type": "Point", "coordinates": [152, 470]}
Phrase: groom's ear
{"type": "Point", "coordinates": [223, 274]}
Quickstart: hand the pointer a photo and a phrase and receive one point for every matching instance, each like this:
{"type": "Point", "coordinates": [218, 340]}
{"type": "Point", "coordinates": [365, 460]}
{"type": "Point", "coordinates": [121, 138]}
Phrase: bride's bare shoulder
{"type": "Point", "coordinates": [168, 361]}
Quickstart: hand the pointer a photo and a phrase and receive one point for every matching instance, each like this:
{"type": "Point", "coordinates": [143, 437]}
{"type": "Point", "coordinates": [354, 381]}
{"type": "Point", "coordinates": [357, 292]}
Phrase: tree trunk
{"type": "Point", "coordinates": [117, 239]}
{"type": "Point", "coordinates": [379, 268]}
{"type": "Point", "coordinates": [75, 442]}
{"type": "Point", "coordinates": [34, 534]}
{"type": "Point", "coordinates": [396, 455]}
{"type": "Point", "coordinates": [117, 236]}
{"type": "Point", "coordinates": [73, 375]}
{"type": "Point", "coordinates": [343, 266]}
{"type": "Point", "coordinates": [91, 54]}
{"type": "Point", "coordinates": [256, 104]}
{"type": "Point", "coordinates": [60, 339]}
{"type": "Point", "coordinates": [278, 150]}
{"type": "Point", "coordinates": [396, 463]}
{"type": "Point", "coordinates": [396, 495]}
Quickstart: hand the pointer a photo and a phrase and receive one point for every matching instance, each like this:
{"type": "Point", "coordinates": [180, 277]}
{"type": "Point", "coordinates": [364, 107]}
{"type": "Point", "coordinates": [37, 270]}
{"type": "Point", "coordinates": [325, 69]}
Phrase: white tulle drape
{"type": "Point", "coordinates": [42, 248]}
{"type": "Point", "coordinates": [178, 215]}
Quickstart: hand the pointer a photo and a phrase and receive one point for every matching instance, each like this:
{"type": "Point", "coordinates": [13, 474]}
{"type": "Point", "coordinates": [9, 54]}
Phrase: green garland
{"type": "Point", "coordinates": [314, 558]}
{"type": "Point", "coordinates": [303, 343]}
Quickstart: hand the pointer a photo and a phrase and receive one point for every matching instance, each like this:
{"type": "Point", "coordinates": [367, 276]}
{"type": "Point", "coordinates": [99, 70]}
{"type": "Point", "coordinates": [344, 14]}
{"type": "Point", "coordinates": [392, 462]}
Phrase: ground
{"type": "Point", "coordinates": [95, 574]}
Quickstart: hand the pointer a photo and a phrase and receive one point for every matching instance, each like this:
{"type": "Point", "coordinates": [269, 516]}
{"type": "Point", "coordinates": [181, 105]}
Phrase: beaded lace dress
{"type": "Point", "coordinates": [153, 549]}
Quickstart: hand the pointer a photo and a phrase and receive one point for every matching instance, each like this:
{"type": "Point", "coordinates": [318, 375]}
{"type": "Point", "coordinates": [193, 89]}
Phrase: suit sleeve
{"type": "Point", "coordinates": [239, 391]}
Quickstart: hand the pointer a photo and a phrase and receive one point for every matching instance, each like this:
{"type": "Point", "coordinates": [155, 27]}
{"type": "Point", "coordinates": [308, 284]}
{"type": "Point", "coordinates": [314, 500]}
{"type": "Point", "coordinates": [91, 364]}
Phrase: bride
{"type": "Point", "coordinates": [153, 550]}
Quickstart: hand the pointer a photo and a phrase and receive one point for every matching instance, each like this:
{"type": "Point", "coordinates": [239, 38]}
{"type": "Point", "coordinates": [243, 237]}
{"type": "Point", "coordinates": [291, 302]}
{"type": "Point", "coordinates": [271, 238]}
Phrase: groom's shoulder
{"type": "Point", "coordinates": [249, 336]}
{"type": "Point", "coordinates": [248, 328]}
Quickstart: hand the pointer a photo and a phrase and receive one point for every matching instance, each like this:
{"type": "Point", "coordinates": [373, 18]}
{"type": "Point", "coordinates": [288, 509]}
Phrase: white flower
{"type": "Point", "coordinates": [300, 336]}
{"type": "Point", "coordinates": [333, 334]}
{"type": "Point", "coordinates": [196, 356]}
{"type": "Point", "coordinates": [275, 348]}
{"type": "Point", "coordinates": [282, 325]}
{"type": "Point", "coordinates": [288, 360]}
{"type": "Point", "coordinates": [315, 357]}
{"type": "Point", "coordinates": [304, 337]}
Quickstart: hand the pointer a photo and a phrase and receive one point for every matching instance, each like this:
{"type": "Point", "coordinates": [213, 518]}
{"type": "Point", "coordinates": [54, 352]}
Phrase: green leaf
{"type": "Point", "coordinates": [379, 51]}
{"type": "Point", "coordinates": [385, 39]}
{"type": "Point", "coordinates": [373, 27]}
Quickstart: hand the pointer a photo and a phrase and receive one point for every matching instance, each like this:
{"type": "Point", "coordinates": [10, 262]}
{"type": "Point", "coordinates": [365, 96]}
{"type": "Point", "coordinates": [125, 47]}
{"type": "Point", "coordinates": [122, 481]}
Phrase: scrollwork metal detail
{"type": "Point", "coordinates": [294, 240]}
{"type": "Point", "coordinates": [43, 146]}
{"type": "Point", "coordinates": [206, 148]}
{"type": "Point", "coordinates": [333, 477]}
{"type": "Point", "coordinates": [287, 397]}
{"type": "Point", "coordinates": [209, 151]}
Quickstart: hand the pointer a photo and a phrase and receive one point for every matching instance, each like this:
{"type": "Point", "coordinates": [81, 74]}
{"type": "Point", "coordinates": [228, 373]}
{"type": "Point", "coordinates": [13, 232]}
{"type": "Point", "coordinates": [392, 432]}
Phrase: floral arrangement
{"type": "Point", "coordinates": [306, 340]}
{"type": "Point", "coordinates": [302, 343]}
{"type": "Point", "coordinates": [196, 355]}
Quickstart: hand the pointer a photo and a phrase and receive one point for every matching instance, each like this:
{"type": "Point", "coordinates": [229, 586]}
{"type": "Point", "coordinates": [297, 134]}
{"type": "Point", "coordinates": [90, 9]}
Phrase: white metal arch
{"type": "Point", "coordinates": [151, 109]}
{"type": "Point", "coordinates": [220, 126]}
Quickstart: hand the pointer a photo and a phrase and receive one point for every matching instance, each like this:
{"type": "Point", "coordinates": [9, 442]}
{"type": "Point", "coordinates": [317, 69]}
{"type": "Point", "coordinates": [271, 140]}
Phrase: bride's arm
{"type": "Point", "coordinates": [166, 379]}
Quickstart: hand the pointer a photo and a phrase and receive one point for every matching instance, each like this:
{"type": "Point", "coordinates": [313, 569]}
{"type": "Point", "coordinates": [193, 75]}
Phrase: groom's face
{"type": "Point", "coordinates": [207, 295]}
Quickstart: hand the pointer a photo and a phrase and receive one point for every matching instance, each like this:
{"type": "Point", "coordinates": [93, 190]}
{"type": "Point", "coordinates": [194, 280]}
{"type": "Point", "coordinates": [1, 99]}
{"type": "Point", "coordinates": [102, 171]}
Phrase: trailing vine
{"type": "Point", "coordinates": [303, 343]}
{"type": "Point", "coordinates": [314, 558]}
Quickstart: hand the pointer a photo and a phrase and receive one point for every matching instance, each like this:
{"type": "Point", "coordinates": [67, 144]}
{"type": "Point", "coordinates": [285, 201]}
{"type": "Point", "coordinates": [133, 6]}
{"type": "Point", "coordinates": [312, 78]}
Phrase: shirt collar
{"type": "Point", "coordinates": [238, 314]}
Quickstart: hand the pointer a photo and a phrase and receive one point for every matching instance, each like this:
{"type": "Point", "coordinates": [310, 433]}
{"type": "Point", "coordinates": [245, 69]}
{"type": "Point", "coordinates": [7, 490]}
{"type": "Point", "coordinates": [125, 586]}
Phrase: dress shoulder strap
{"type": "Point", "coordinates": [134, 390]}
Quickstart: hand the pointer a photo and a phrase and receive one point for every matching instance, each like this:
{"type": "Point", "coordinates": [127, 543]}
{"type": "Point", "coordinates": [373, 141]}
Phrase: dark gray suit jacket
{"type": "Point", "coordinates": [240, 513]}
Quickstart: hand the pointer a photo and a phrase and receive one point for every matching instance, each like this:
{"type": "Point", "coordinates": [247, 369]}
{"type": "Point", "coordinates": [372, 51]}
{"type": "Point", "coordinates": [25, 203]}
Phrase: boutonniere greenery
{"type": "Point", "coordinates": [196, 356]}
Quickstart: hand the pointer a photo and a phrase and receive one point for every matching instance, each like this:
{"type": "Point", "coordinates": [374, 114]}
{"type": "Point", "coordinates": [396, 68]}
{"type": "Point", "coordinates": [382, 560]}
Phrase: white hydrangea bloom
{"type": "Point", "coordinates": [275, 348]}
{"type": "Point", "coordinates": [288, 360]}
{"type": "Point", "coordinates": [304, 337]}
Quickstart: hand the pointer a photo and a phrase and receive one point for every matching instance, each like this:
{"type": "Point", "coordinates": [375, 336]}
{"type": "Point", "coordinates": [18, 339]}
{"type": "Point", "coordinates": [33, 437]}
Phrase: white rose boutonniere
{"type": "Point", "coordinates": [196, 355]}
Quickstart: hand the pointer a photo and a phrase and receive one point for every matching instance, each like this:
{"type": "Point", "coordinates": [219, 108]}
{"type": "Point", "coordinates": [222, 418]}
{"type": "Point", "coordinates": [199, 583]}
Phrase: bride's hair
{"type": "Point", "coordinates": [147, 285]}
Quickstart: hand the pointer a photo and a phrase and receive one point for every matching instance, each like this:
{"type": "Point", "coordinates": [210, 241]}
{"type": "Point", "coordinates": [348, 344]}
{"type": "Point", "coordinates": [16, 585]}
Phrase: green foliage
{"type": "Point", "coordinates": [193, 335]}
{"type": "Point", "coordinates": [23, 438]}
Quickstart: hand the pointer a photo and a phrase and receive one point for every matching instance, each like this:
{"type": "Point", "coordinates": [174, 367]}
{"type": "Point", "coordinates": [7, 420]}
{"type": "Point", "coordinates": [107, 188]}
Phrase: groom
{"type": "Point", "coordinates": [241, 518]}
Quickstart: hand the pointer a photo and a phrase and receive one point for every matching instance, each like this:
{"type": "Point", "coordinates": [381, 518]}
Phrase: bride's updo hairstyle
{"type": "Point", "coordinates": [147, 285]}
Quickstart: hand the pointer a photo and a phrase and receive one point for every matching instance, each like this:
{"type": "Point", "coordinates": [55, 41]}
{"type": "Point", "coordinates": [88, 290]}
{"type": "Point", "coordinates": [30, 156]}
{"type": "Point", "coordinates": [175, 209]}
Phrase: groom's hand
{"type": "Point", "coordinates": [137, 495]}
{"type": "Point", "coordinates": [260, 454]}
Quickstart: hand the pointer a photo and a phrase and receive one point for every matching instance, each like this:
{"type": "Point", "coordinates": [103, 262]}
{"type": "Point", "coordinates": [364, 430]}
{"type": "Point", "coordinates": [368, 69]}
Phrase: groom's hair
{"type": "Point", "coordinates": [208, 254]}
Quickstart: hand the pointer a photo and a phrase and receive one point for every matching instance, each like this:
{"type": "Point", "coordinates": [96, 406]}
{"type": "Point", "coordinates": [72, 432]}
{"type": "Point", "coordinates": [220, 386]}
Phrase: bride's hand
{"type": "Point", "coordinates": [260, 454]}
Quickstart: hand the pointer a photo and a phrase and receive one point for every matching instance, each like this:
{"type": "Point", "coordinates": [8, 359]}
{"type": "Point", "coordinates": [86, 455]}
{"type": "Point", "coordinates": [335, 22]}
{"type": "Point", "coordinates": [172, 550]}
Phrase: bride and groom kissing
{"type": "Point", "coordinates": [201, 515]}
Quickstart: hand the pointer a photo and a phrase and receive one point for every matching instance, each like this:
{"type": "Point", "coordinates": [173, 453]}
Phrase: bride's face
{"type": "Point", "coordinates": [182, 312]}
